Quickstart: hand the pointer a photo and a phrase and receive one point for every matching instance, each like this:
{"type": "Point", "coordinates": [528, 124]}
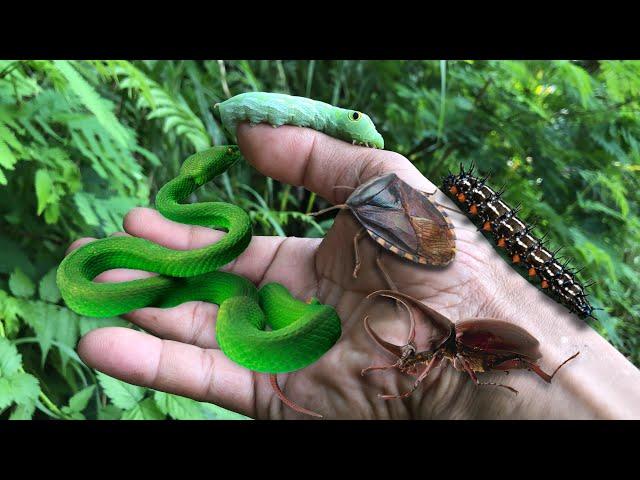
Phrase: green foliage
{"type": "Point", "coordinates": [83, 142]}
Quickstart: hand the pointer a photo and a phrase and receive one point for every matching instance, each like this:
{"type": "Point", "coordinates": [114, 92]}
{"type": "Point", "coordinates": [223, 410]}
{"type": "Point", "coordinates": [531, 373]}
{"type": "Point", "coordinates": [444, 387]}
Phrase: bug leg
{"type": "Point", "coordinates": [435, 360]}
{"type": "Point", "coordinates": [385, 274]}
{"type": "Point", "coordinates": [541, 373]}
{"type": "Point", "coordinates": [390, 283]}
{"type": "Point", "coordinates": [342, 206]}
{"type": "Point", "coordinates": [356, 254]}
{"type": "Point", "coordinates": [280, 394]}
{"type": "Point", "coordinates": [471, 373]}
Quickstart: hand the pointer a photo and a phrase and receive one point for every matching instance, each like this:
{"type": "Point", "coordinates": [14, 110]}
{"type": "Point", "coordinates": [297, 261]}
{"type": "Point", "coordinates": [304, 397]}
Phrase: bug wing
{"type": "Point", "coordinates": [390, 224]}
{"type": "Point", "coordinates": [496, 336]}
{"type": "Point", "coordinates": [404, 218]}
{"type": "Point", "coordinates": [435, 235]}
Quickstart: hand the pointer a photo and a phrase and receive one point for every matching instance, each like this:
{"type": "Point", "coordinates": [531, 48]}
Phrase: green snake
{"type": "Point", "coordinates": [265, 330]}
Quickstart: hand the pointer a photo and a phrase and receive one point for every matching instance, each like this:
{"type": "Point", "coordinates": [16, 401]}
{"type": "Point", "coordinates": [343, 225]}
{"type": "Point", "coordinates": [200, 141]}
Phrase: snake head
{"type": "Point", "coordinates": [203, 166]}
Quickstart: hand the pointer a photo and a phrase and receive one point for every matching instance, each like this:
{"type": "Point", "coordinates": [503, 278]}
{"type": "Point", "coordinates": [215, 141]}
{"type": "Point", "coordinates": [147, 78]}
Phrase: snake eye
{"type": "Point", "coordinates": [355, 116]}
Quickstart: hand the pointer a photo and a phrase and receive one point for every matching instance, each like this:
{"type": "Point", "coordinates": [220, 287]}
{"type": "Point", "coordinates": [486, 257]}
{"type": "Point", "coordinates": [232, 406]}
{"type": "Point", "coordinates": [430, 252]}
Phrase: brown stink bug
{"type": "Point", "coordinates": [402, 220]}
{"type": "Point", "coordinates": [472, 346]}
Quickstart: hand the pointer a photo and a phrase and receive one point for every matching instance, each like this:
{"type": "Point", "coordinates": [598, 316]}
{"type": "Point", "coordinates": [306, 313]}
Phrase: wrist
{"type": "Point", "coordinates": [599, 383]}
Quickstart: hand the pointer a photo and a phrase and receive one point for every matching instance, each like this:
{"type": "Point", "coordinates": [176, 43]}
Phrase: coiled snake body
{"type": "Point", "coordinates": [300, 333]}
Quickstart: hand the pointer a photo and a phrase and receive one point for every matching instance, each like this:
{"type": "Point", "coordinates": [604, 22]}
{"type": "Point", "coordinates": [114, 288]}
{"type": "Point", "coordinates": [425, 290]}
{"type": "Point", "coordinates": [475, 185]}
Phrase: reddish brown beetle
{"type": "Point", "coordinates": [402, 220]}
{"type": "Point", "coordinates": [474, 345]}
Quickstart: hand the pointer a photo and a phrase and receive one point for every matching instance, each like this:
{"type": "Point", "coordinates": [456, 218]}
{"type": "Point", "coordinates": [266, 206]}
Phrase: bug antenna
{"type": "Point", "coordinates": [461, 169]}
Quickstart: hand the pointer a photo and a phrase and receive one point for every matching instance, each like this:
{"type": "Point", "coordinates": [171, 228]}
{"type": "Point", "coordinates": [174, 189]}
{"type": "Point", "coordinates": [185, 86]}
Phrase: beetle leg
{"type": "Point", "coordinates": [356, 239]}
{"type": "Point", "coordinates": [435, 360]}
{"type": "Point", "coordinates": [280, 394]}
{"type": "Point", "coordinates": [472, 374]}
{"type": "Point", "coordinates": [524, 363]}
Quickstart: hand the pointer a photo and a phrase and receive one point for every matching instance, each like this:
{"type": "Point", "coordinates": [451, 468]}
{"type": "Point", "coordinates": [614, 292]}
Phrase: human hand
{"type": "Point", "coordinates": [181, 355]}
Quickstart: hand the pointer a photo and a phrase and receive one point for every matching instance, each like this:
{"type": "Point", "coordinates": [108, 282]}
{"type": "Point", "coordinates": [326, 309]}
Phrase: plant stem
{"type": "Point", "coordinates": [312, 200]}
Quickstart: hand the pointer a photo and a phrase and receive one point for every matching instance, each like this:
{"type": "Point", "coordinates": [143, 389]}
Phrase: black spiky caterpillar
{"type": "Point", "coordinates": [481, 202]}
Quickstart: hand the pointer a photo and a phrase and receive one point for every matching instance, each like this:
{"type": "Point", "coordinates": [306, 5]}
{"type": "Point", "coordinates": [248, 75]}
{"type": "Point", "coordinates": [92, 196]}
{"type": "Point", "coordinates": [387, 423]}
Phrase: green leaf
{"type": "Point", "coordinates": [24, 388]}
{"type": "Point", "coordinates": [48, 288]}
{"type": "Point", "coordinates": [66, 331]}
{"type": "Point", "coordinates": [92, 100]}
{"type": "Point", "coordinates": [21, 285]}
{"type": "Point", "coordinates": [12, 256]}
{"type": "Point", "coordinates": [44, 319]}
{"type": "Point", "coordinates": [179, 408]}
{"type": "Point", "coordinates": [121, 394]}
{"type": "Point", "coordinates": [80, 400]}
{"type": "Point", "coordinates": [145, 410]}
{"type": "Point", "coordinates": [6, 394]}
{"type": "Point", "coordinates": [109, 412]}
{"type": "Point", "coordinates": [44, 189]}
{"type": "Point", "coordinates": [9, 311]}
{"type": "Point", "coordinates": [10, 359]}
{"type": "Point", "coordinates": [182, 408]}
{"type": "Point", "coordinates": [23, 412]}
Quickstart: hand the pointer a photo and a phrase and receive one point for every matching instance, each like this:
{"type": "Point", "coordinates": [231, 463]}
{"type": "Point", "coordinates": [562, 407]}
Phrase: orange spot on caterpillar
{"type": "Point", "coordinates": [473, 210]}
{"type": "Point", "coordinates": [486, 227]}
{"type": "Point", "coordinates": [544, 284]}
{"type": "Point", "coordinates": [502, 243]}
{"type": "Point", "coordinates": [532, 272]}
{"type": "Point", "coordinates": [516, 258]}
{"type": "Point", "coordinates": [461, 197]}
{"type": "Point", "coordinates": [453, 189]}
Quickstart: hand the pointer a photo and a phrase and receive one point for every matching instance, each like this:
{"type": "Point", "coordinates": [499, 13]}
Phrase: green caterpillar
{"type": "Point", "coordinates": [278, 109]}
{"type": "Point", "coordinates": [300, 332]}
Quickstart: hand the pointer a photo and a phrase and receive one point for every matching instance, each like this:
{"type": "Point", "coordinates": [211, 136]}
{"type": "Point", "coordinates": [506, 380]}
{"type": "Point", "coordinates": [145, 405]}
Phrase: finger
{"type": "Point", "coordinates": [302, 156]}
{"type": "Point", "coordinates": [142, 359]}
{"type": "Point", "coordinates": [257, 261]}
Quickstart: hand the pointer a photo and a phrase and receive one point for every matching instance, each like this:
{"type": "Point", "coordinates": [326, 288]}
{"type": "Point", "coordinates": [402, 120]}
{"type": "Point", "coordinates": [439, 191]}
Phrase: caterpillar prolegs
{"type": "Point", "coordinates": [484, 204]}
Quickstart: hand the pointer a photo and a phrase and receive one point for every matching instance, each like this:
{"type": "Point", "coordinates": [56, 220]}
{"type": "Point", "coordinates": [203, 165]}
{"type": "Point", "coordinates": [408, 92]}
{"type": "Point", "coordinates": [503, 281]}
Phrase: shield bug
{"type": "Point", "coordinates": [402, 220]}
{"type": "Point", "coordinates": [472, 346]}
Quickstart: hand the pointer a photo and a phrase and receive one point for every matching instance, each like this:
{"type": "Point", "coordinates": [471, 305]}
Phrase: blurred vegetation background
{"type": "Point", "coordinates": [82, 142]}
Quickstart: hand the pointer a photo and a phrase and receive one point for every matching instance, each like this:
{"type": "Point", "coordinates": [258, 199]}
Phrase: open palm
{"type": "Point", "coordinates": [180, 354]}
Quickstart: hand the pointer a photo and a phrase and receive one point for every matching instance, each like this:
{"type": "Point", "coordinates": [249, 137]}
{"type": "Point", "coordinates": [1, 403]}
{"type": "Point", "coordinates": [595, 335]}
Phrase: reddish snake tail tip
{"type": "Point", "coordinates": [280, 394]}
